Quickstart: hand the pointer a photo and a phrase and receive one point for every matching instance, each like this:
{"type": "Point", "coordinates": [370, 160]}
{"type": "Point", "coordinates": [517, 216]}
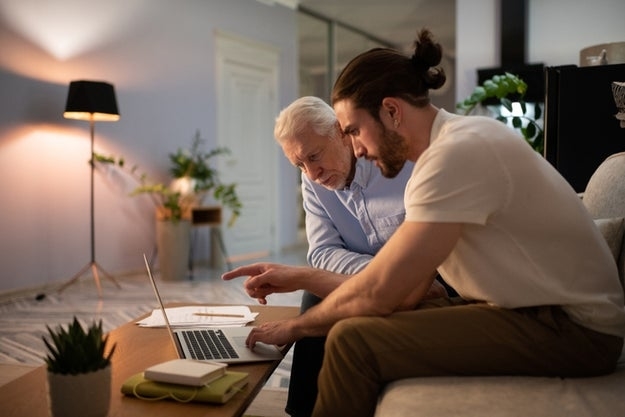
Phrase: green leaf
{"type": "Point", "coordinates": [523, 106]}
{"type": "Point", "coordinates": [490, 88]}
{"type": "Point", "coordinates": [74, 349]}
{"type": "Point", "coordinates": [508, 87]}
{"type": "Point", "coordinates": [507, 104]}
{"type": "Point", "coordinates": [479, 94]}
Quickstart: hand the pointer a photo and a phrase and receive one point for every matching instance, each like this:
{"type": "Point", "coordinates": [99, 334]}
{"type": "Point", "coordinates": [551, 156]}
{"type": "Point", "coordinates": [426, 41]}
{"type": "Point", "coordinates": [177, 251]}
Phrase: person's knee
{"type": "Point", "coordinates": [346, 336]}
{"type": "Point", "coordinates": [349, 359]}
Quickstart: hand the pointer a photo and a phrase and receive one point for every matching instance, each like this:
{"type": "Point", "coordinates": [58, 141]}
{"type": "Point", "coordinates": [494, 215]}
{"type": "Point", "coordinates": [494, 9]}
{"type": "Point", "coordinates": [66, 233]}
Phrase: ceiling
{"type": "Point", "coordinates": [394, 21]}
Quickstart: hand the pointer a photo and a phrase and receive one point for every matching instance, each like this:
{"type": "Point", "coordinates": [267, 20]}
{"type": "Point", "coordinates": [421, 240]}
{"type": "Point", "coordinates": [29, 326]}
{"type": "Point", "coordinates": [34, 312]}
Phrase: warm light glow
{"type": "Point", "coordinates": [66, 28]}
{"type": "Point", "coordinates": [96, 117]}
{"type": "Point", "coordinates": [50, 161]}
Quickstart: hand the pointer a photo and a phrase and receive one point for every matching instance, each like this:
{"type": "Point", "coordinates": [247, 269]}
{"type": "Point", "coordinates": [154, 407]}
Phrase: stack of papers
{"type": "Point", "coordinates": [200, 316]}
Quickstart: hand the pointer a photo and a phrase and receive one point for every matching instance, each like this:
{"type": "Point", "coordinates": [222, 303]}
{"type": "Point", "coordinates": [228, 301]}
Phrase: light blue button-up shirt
{"type": "Point", "coordinates": [346, 228]}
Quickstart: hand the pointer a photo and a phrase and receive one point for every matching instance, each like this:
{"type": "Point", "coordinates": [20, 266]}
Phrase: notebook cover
{"type": "Point", "coordinates": [185, 372]}
{"type": "Point", "coordinates": [217, 392]}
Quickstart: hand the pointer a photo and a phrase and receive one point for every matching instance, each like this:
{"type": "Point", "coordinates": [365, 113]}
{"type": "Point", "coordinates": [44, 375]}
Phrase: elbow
{"type": "Point", "coordinates": [382, 311]}
{"type": "Point", "coordinates": [382, 303]}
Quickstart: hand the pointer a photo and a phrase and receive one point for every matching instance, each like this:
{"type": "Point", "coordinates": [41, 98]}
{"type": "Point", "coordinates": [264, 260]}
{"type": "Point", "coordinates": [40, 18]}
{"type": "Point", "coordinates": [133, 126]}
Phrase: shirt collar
{"type": "Point", "coordinates": [439, 121]}
{"type": "Point", "coordinates": [361, 175]}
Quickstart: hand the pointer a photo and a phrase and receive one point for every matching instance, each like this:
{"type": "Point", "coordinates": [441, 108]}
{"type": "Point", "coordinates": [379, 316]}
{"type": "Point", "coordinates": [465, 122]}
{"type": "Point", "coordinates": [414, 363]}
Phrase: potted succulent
{"type": "Point", "coordinates": [509, 88]}
{"type": "Point", "coordinates": [79, 370]}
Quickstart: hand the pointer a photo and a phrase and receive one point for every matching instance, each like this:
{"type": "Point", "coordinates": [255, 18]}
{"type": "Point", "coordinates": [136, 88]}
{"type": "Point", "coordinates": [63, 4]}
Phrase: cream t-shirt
{"type": "Point", "coordinates": [527, 239]}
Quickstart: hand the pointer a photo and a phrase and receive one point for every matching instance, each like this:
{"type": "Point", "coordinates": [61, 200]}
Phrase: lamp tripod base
{"type": "Point", "coordinates": [94, 266]}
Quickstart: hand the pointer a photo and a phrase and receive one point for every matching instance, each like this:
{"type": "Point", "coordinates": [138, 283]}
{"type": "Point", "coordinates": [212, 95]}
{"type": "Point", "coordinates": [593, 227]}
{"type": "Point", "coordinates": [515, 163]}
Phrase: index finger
{"type": "Point", "coordinates": [250, 341]}
{"type": "Point", "coordinates": [247, 270]}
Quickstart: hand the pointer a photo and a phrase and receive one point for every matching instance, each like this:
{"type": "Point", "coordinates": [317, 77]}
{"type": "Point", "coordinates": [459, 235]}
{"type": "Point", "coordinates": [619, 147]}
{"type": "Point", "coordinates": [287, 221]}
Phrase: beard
{"type": "Point", "coordinates": [393, 153]}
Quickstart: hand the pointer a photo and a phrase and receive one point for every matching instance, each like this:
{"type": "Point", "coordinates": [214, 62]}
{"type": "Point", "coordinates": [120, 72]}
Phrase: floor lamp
{"type": "Point", "coordinates": [93, 101]}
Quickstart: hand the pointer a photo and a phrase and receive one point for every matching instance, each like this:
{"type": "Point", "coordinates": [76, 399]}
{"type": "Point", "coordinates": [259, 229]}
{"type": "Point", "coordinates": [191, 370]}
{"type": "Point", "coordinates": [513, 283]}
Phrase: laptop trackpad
{"type": "Point", "coordinates": [262, 349]}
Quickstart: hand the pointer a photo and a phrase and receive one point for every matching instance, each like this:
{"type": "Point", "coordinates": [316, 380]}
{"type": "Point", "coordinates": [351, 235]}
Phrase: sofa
{"type": "Point", "coordinates": [507, 396]}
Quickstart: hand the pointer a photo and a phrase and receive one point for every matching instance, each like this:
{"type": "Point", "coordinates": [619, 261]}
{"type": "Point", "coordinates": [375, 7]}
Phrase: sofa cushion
{"type": "Point", "coordinates": [604, 196]}
{"type": "Point", "coordinates": [505, 396]}
{"type": "Point", "coordinates": [612, 231]}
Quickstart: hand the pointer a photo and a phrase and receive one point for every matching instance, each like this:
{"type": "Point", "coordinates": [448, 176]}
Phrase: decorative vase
{"type": "Point", "coordinates": [173, 245]}
{"type": "Point", "coordinates": [81, 395]}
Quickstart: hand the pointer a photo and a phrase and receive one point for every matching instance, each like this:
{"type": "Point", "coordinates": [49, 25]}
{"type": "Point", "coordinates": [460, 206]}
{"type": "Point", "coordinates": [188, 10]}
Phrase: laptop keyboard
{"type": "Point", "coordinates": [209, 344]}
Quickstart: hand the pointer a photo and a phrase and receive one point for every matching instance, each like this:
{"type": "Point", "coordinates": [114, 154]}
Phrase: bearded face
{"type": "Point", "coordinates": [393, 152]}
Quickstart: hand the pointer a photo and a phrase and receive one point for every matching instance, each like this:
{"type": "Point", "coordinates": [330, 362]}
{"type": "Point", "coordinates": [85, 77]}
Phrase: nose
{"type": "Point", "coordinates": [313, 171]}
{"type": "Point", "coordinates": [359, 150]}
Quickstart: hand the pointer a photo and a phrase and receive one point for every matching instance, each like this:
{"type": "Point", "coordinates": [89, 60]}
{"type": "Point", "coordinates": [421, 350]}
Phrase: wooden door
{"type": "Point", "coordinates": [247, 83]}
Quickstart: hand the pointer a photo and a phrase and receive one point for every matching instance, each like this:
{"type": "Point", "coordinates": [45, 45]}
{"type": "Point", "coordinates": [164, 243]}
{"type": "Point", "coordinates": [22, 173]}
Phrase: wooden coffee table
{"type": "Point", "coordinates": [138, 348]}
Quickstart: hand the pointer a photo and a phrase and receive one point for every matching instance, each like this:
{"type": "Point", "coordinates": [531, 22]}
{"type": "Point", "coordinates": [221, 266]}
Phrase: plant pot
{"type": "Point", "coordinates": [82, 395]}
{"type": "Point", "coordinates": [173, 245]}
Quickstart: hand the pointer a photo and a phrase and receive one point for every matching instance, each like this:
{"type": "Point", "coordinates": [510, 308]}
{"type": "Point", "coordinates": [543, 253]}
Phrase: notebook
{"type": "Point", "coordinates": [225, 344]}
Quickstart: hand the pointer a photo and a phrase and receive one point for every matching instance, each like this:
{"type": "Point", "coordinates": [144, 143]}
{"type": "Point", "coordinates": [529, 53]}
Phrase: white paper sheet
{"type": "Point", "coordinates": [200, 316]}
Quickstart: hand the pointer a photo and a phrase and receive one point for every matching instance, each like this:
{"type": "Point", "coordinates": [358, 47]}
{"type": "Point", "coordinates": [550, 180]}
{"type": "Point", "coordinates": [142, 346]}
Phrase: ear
{"type": "Point", "coordinates": [390, 110]}
{"type": "Point", "coordinates": [339, 129]}
{"type": "Point", "coordinates": [341, 135]}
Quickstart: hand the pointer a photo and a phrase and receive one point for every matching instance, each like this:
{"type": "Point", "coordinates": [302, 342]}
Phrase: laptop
{"type": "Point", "coordinates": [216, 344]}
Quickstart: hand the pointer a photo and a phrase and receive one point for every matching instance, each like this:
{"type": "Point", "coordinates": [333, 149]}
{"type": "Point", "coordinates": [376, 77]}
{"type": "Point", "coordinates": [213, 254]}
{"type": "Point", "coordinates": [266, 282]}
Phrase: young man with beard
{"type": "Point", "coordinates": [539, 288]}
{"type": "Point", "coordinates": [351, 211]}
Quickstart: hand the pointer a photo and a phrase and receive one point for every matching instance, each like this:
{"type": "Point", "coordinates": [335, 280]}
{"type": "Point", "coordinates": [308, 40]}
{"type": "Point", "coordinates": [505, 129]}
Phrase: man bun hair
{"type": "Point", "coordinates": [427, 55]}
{"type": "Point", "coordinates": [383, 72]}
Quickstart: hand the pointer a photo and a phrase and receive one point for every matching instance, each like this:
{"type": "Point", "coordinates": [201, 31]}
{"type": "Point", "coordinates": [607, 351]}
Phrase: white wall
{"type": "Point", "coordinates": [557, 31]}
{"type": "Point", "coordinates": [477, 41]}
{"type": "Point", "coordinates": [159, 54]}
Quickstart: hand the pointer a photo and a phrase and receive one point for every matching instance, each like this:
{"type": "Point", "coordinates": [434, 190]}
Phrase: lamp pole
{"type": "Point", "coordinates": [92, 166]}
{"type": "Point", "coordinates": [92, 101]}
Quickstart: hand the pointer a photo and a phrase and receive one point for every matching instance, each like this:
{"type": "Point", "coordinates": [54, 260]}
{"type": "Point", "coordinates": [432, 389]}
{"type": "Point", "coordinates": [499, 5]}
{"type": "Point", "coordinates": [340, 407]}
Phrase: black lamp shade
{"type": "Point", "coordinates": [91, 100]}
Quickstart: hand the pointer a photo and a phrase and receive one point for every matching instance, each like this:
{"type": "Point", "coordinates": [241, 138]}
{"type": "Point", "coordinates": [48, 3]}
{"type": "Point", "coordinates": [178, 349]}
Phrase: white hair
{"type": "Point", "coordinates": [307, 112]}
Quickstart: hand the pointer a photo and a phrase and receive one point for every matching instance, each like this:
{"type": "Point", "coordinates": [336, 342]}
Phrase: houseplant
{"type": "Point", "coordinates": [79, 370]}
{"type": "Point", "coordinates": [194, 178]}
{"type": "Point", "coordinates": [509, 89]}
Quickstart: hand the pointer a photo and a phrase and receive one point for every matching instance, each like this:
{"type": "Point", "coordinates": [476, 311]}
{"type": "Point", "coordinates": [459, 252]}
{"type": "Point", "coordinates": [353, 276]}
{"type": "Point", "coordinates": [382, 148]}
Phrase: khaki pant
{"type": "Point", "coordinates": [453, 337]}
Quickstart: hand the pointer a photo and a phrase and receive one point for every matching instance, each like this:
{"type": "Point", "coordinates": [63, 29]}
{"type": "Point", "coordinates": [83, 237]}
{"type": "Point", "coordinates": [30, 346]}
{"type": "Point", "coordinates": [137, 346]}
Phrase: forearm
{"type": "Point", "coordinates": [401, 274]}
{"type": "Point", "coordinates": [319, 281]}
{"type": "Point", "coordinates": [339, 304]}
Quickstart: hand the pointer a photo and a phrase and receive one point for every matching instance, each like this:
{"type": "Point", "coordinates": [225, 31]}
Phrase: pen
{"type": "Point", "coordinates": [219, 315]}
